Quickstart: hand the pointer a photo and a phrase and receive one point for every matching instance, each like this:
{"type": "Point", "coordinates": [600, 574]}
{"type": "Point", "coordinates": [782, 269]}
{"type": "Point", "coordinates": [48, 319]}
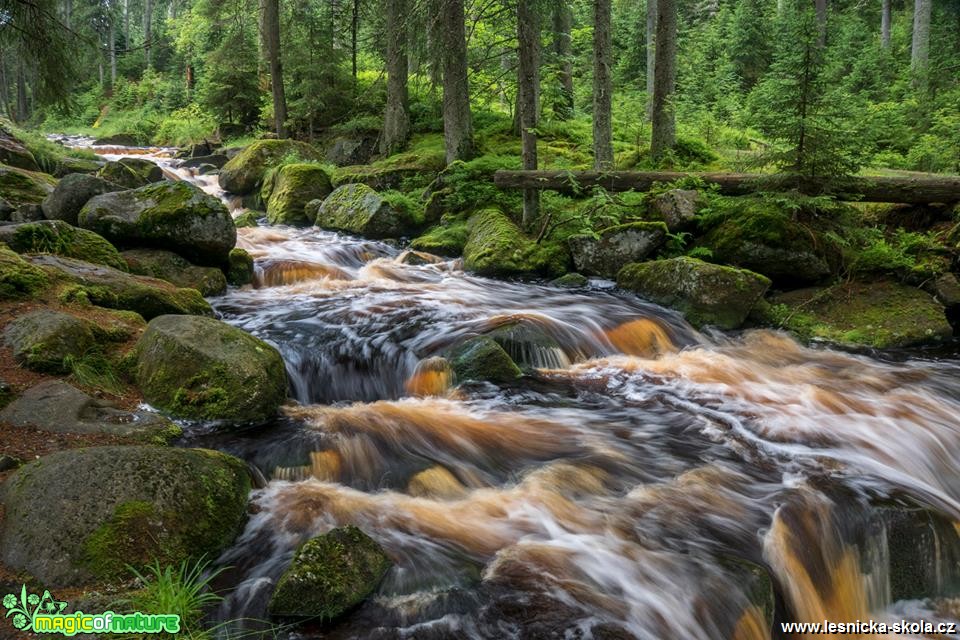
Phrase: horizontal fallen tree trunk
{"type": "Point", "coordinates": [910, 189]}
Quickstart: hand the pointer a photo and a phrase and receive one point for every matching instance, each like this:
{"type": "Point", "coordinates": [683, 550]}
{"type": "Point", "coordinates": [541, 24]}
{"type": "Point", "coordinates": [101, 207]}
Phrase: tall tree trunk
{"type": "Point", "coordinates": [602, 86]}
{"type": "Point", "coordinates": [920, 46]}
{"type": "Point", "coordinates": [148, 30]}
{"type": "Point", "coordinates": [885, 24]}
{"type": "Point", "coordinates": [396, 118]}
{"type": "Point", "coordinates": [435, 43]}
{"type": "Point", "coordinates": [528, 87]}
{"type": "Point", "coordinates": [126, 24]}
{"type": "Point", "coordinates": [664, 125]}
{"type": "Point", "coordinates": [23, 106]}
{"type": "Point", "coordinates": [4, 86]}
{"type": "Point", "coordinates": [68, 14]}
{"type": "Point", "coordinates": [354, 28]}
{"type": "Point", "coordinates": [271, 23]}
{"type": "Point", "coordinates": [457, 119]}
{"type": "Point", "coordinates": [651, 52]}
{"type": "Point", "coordinates": [821, 10]}
{"type": "Point", "coordinates": [562, 50]}
{"type": "Point", "coordinates": [113, 51]}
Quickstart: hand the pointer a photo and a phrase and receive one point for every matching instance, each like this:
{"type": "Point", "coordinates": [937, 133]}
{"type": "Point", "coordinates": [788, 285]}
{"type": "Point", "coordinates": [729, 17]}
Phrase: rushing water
{"type": "Point", "coordinates": [642, 481]}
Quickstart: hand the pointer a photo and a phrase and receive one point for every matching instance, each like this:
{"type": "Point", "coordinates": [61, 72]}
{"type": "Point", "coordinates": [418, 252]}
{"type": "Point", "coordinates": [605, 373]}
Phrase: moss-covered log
{"type": "Point", "coordinates": [914, 189]}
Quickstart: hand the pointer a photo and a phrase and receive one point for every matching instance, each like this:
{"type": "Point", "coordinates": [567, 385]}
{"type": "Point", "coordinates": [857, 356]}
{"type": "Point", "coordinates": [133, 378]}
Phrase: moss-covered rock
{"type": "Point", "coordinates": [14, 153]}
{"type": "Point", "coordinates": [104, 508]}
{"type": "Point", "coordinates": [19, 186]}
{"type": "Point", "coordinates": [169, 266]}
{"type": "Point", "coordinates": [356, 208]}
{"type": "Point", "coordinates": [530, 346]}
{"type": "Point", "coordinates": [707, 294]}
{"type": "Point", "coordinates": [877, 313]}
{"type": "Point", "coordinates": [445, 239]}
{"type": "Point", "coordinates": [497, 247]}
{"type": "Point", "coordinates": [482, 358]}
{"type": "Point", "coordinates": [176, 216]}
{"type": "Point", "coordinates": [571, 281]}
{"type": "Point", "coordinates": [240, 267]}
{"type": "Point", "coordinates": [204, 369]}
{"type": "Point", "coordinates": [19, 278]}
{"type": "Point", "coordinates": [71, 193]}
{"type": "Point", "coordinates": [43, 340]}
{"type": "Point", "coordinates": [249, 218]}
{"type": "Point", "coordinates": [131, 173]}
{"type": "Point", "coordinates": [616, 246]}
{"type": "Point", "coordinates": [329, 575]}
{"type": "Point", "coordinates": [87, 283]}
{"type": "Point", "coordinates": [288, 189]}
{"type": "Point", "coordinates": [59, 238]}
{"type": "Point", "coordinates": [677, 208]}
{"type": "Point", "coordinates": [245, 171]}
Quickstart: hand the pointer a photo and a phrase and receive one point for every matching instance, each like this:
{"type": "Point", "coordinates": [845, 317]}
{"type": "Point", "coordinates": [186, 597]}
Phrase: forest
{"type": "Point", "coordinates": [445, 319]}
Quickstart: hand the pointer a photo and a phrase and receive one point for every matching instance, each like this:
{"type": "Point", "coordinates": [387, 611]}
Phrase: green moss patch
{"type": "Point", "coordinates": [497, 247]}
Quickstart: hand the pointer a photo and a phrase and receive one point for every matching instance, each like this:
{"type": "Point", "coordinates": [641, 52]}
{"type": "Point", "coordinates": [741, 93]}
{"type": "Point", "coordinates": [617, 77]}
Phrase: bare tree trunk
{"type": "Point", "coordinates": [885, 24]}
{"type": "Point", "coordinates": [113, 51]}
{"type": "Point", "coordinates": [148, 30]}
{"type": "Point", "coordinates": [664, 125]}
{"type": "Point", "coordinates": [354, 28]}
{"type": "Point", "coordinates": [23, 106]}
{"type": "Point", "coordinates": [435, 40]}
{"type": "Point", "coordinates": [68, 14]}
{"type": "Point", "coordinates": [396, 118]}
{"type": "Point", "coordinates": [651, 52]}
{"type": "Point", "coordinates": [821, 9]}
{"type": "Point", "coordinates": [271, 23]}
{"type": "Point", "coordinates": [562, 49]}
{"type": "Point", "coordinates": [457, 119]}
{"type": "Point", "coordinates": [126, 24]}
{"type": "Point", "coordinates": [528, 87]}
{"type": "Point", "coordinates": [602, 86]}
{"type": "Point", "coordinates": [920, 46]}
{"type": "Point", "coordinates": [4, 86]}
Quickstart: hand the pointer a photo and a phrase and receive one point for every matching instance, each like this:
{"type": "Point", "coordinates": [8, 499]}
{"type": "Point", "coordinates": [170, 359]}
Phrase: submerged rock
{"type": "Point", "coordinates": [45, 340]}
{"type": "Point", "coordinates": [169, 266]}
{"type": "Point", "coordinates": [707, 294]}
{"type": "Point", "coordinates": [616, 246]}
{"type": "Point", "coordinates": [72, 192]}
{"type": "Point", "coordinates": [59, 238]}
{"type": "Point", "coordinates": [481, 358]}
{"type": "Point", "coordinates": [287, 190]}
{"type": "Point", "coordinates": [245, 171]}
{"type": "Point", "coordinates": [356, 208]}
{"type": "Point", "coordinates": [58, 407]}
{"type": "Point", "coordinates": [176, 216]}
{"type": "Point", "coordinates": [203, 369]}
{"type": "Point", "coordinates": [496, 246]}
{"type": "Point", "coordinates": [530, 346]}
{"type": "Point", "coordinates": [131, 173]}
{"type": "Point", "coordinates": [329, 575]}
{"type": "Point", "coordinates": [571, 281]}
{"type": "Point", "coordinates": [108, 507]}
{"type": "Point", "coordinates": [436, 483]}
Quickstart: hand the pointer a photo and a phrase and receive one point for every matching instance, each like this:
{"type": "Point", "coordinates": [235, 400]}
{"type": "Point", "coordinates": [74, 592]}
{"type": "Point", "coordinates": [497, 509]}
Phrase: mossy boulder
{"type": "Point", "coordinates": [57, 407]}
{"type": "Point", "coordinates": [759, 236]}
{"type": "Point", "coordinates": [85, 514]}
{"type": "Point", "coordinates": [356, 208]}
{"type": "Point", "coordinates": [707, 294]}
{"type": "Point", "coordinates": [287, 190]}
{"type": "Point", "coordinates": [59, 238]}
{"type": "Point", "coordinates": [71, 193]}
{"type": "Point", "coordinates": [876, 313]}
{"type": "Point", "coordinates": [70, 165]}
{"type": "Point", "coordinates": [203, 369]}
{"type": "Point", "coordinates": [176, 216]}
{"type": "Point", "coordinates": [19, 186]}
{"type": "Point", "coordinates": [497, 247]}
{"type": "Point", "coordinates": [118, 140]}
{"type": "Point", "coordinates": [616, 246]}
{"type": "Point", "coordinates": [530, 346]}
{"type": "Point", "coordinates": [677, 208]}
{"type": "Point", "coordinates": [571, 281]}
{"type": "Point", "coordinates": [240, 267]}
{"type": "Point", "coordinates": [131, 173]}
{"type": "Point", "coordinates": [19, 278]}
{"type": "Point", "coordinates": [482, 358]}
{"type": "Point", "coordinates": [173, 268]}
{"type": "Point", "coordinates": [44, 340]}
{"type": "Point", "coordinates": [330, 575]}
{"type": "Point", "coordinates": [86, 283]}
{"type": "Point", "coordinates": [445, 239]}
{"type": "Point", "coordinates": [245, 171]}
{"type": "Point", "coordinates": [14, 153]}
{"type": "Point", "coordinates": [249, 218]}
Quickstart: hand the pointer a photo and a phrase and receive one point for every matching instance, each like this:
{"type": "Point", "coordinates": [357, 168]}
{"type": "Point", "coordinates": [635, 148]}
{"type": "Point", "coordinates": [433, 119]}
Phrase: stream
{"type": "Point", "coordinates": [645, 480]}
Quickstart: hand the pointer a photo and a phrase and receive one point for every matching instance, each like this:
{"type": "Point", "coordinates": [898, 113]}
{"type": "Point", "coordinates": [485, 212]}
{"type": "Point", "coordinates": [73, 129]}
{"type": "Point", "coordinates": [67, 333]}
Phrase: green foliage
{"type": "Point", "coordinates": [185, 126]}
{"type": "Point", "coordinates": [94, 369]}
{"type": "Point", "coordinates": [184, 590]}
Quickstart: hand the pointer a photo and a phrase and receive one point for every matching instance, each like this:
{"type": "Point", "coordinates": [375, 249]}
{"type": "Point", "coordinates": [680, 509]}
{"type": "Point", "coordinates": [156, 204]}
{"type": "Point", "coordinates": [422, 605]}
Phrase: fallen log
{"type": "Point", "coordinates": [920, 189]}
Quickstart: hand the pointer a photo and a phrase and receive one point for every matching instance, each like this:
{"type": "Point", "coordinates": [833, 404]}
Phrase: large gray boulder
{"type": "Point", "coordinates": [677, 208]}
{"type": "Point", "coordinates": [616, 247]}
{"type": "Point", "coordinates": [245, 171]}
{"type": "Point", "coordinates": [81, 515]}
{"type": "Point", "coordinates": [356, 208]}
{"type": "Point", "coordinates": [176, 216]}
{"type": "Point", "coordinates": [71, 193]}
{"type": "Point", "coordinates": [58, 407]}
{"type": "Point", "coordinates": [44, 340]}
{"type": "Point", "coordinates": [62, 239]}
{"type": "Point", "coordinates": [176, 270]}
{"type": "Point", "coordinates": [131, 173]}
{"type": "Point", "coordinates": [203, 369]}
{"type": "Point", "coordinates": [287, 190]}
{"type": "Point", "coordinates": [707, 294]}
